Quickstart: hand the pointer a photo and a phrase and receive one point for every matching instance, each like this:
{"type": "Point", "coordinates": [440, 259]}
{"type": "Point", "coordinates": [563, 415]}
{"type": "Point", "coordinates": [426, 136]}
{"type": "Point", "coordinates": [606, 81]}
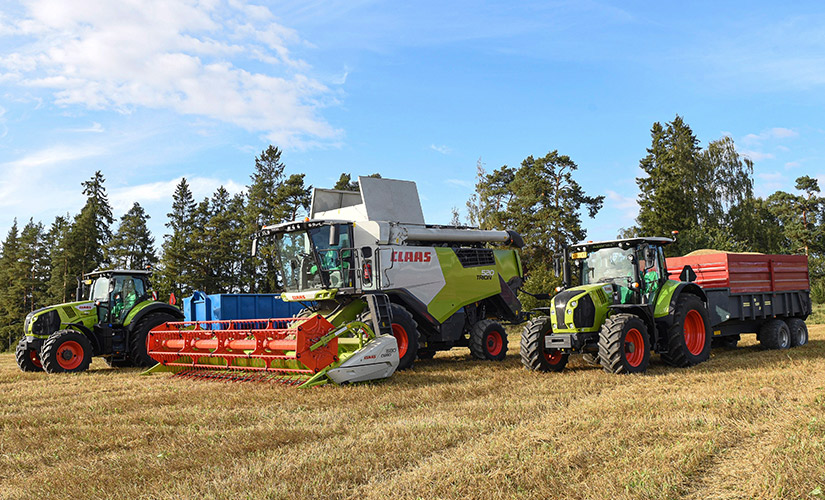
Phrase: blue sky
{"type": "Point", "coordinates": [149, 91]}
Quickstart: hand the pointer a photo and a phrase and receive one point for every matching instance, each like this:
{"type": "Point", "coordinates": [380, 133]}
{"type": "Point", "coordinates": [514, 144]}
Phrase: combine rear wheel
{"type": "Point", "coordinates": [533, 354]}
{"type": "Point", "coordinates": [775, 334]}
{"type": "Point", "coordinates": [688, 339]}
{"type": "Point", "coordinates": [624, 346]}
{"type": "Point", "coordinates": [405, 332]}
{"type": "Point", "coordinates": [137, 341]}
{"type": "Point", "coordinates": [799, 331]}
{"type": "Point", "coordinates": [27, 357]}
{"type": "Point", "coordinates": [488, 340]}
{"type": "Point", "coordinates": [66, 351]}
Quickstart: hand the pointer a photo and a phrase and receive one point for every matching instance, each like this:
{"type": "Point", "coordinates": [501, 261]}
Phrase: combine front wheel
{"type": "Point", "coordinates": [488, 340]}
{"type": "Point", "coordinates": [405, 332]}
{"type": "Point", "coordinates": [533, 354]}
{"type": "Point", "coordinates": [27, 357]}
{"type": "Point", "coordinates": [66, 351]}
{"type": "Point", "coordinates": [624, 346]}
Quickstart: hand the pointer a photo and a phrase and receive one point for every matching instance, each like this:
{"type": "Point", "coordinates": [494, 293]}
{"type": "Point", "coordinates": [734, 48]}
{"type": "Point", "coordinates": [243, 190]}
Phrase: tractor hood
{"type": "Point", "coordinates": [47, 320]}
{"type": "Point", "coordinates": [582, 308]}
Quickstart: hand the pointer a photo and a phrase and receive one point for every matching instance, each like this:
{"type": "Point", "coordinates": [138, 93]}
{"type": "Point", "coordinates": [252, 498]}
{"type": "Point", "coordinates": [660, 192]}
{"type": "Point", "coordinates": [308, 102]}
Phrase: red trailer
{"type": "Point", "coordinates": [751, 293]}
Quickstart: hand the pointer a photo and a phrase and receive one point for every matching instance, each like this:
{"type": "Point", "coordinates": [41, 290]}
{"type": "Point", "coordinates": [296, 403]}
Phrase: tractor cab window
{"type": "Point", "coordinates": [609, 265]}
{"type": "Point", "coordinates": [100, 290]}
{"type": "Point", "coordinates": [126, 292]}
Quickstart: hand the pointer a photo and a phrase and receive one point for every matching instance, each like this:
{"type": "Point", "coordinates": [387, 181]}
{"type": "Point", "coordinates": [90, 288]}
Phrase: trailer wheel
{"type": "Point", "coordinates": [405, 331]}
{"type": "Point", "coordinates": [66, 351]}
{"type": "Point", "coordinates": [140, 334]}
{"type": "Point", "coordinates": [799, 331]}
{"type": "Point", "coordinates": [688, 338]}
{"type": "Point", "coordinates": [775, 334]}
{"type": "Point", "coordinates": [624, 345]}
{"type": "Point", "coordinates": [488, 340]}
{"type": "Point", "coordinates": [533, 354]}
{"type": "Point", "coordinates": [28, 359]}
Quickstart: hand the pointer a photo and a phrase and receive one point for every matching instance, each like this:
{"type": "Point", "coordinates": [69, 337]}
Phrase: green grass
{"type": "Point", "coordinates": [747, 424]}
{"type": "Point", "coordinates": [817, 316]}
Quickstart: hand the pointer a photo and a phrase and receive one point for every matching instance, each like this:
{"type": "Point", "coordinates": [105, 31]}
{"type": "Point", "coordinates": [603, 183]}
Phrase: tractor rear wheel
{"type": "Point", "coordinates": [624, 346]}
{"type": "Point", "coordinates": [405, 331]}
{"type": "Point", "coordinates": [799, 331]}
{"type": "Point", "coordinates": [775, 334]}
{"type": "Point", "coordinates": [28, 359]}
{"type": "Point", "coordinates": [140, 333]}
{"type": "Point", "coordinates": [688, 338]}
{"type": "Point", "coordinates": [488, 340]}
{"type": "Point", "coordinates": [534, 356]}
{"type": "Point", "coordinates": [66, 351]}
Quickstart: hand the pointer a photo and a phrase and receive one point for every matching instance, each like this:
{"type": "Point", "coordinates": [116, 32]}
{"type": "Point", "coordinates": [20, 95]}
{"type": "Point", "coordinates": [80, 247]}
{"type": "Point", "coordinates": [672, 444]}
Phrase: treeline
{"type": "Point", "coordinates": [207, 246]}
{"type": "Point", "coordinates": [705, 194]}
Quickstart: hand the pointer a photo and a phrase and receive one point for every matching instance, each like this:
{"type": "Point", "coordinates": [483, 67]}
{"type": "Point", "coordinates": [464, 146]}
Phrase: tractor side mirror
{"type": "Point", "coordinates": [254, 251]}
{"type": "Point", "coordinates": [557, 265]}
{"type": "Point", "coordinates": [333, 235]}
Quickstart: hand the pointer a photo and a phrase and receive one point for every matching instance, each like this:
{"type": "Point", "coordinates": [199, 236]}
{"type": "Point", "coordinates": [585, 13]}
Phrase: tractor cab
{"type": "Point", "coordinates": [115, 292]}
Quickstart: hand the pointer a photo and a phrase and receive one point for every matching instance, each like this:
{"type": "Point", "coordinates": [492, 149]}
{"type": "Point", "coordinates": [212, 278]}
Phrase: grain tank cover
{"type": "Point", "coordinates": [389, 200]}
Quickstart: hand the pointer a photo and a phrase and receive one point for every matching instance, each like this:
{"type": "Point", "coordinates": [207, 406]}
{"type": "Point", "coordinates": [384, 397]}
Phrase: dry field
{"type": "Point", "coordinates": [747, 424]}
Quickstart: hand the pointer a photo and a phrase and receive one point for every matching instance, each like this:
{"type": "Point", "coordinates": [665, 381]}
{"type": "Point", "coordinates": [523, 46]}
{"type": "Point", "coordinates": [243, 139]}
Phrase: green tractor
{"type": "Point", "coordinates": [624, 308]}
{"type": "Point", "coordinates": [112, 322]}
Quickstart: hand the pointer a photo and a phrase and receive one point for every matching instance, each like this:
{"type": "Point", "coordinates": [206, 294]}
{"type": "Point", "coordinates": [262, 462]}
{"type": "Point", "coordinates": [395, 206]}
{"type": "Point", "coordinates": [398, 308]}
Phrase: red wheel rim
{"type": "Point", "coordinates": [494, 343]}
{"type": "Point", "coordinates": [401, 338]}
{"type": "Point", "coordinates": [553, 357]}
{"type": "Point", "coordinates": [634, 347]}
{"type": "Point", "coordinates": [35, 359]}
{"type": "Point", "coordinates": [69, 355]}
{"type": "Point", "coordinates": [694, 332]}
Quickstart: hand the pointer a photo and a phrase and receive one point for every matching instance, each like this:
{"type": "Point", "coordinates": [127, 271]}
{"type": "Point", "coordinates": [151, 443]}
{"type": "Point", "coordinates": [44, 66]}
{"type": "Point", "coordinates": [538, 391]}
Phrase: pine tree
{"type": "Point", "coordinates": [12, 310]}
{"type": "Point", "coordinates": [90, 233]}
{"type": "Point", "coordinates": [133, 246]}
{"type": "Point", "coordinates": [293, 197]}
{"type": "Point", "coordinates": [33, 266]}
{"type": "Point", "coordinates": [62, 284]}
{"type": "Point", "coordinates": [174, 267]}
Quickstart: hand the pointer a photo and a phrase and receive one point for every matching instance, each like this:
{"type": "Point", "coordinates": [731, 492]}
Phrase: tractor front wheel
{"type": "Point", "coordinates": [28, 359]}
{"type": "Point", "coordinates": [534, 356]}
{"type": "Point", "coordinates": [488, 340]}
{"type": "Point", "coordinates": [140, 334]}
{"type": "Point", "coordinates": [624, 346]}
{"type": "Point", "coordinates": [405, 331]}
{"type": "Point", "coordinates": [66, 351]}
{"type": "Point", "coordinates": [688, 338]}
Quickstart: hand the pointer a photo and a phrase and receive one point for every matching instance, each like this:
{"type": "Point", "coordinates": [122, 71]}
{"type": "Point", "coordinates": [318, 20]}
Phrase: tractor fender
{"type": "Point", "coordinates": [153, 308]}
{"type": "Point", "coordinates": [643, 313]}
{"type": "Point", "coordinates": [80, 327]}
{"type": "Point", "coordinates": [669, 296]}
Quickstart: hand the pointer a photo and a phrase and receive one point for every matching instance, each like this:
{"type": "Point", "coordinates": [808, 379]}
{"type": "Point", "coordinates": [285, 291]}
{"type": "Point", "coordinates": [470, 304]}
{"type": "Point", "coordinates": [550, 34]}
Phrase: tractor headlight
{"type": "Point", "coordinates": [573, 304]}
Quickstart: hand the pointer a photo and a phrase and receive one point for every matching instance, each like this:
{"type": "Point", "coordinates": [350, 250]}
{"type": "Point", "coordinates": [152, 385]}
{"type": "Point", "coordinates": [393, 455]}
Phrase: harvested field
{"type": "Point", "coordinates": [748, 423]}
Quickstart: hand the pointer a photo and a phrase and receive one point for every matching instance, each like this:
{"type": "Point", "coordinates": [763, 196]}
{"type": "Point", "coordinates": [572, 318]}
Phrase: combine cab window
{"type": "Point", "coordinates": [310, 261]}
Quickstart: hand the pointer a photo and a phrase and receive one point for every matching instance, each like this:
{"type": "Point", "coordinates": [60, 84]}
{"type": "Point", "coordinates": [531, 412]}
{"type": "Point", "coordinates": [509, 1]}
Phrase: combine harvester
{"type": "Point", "coordinates": [381, 288]}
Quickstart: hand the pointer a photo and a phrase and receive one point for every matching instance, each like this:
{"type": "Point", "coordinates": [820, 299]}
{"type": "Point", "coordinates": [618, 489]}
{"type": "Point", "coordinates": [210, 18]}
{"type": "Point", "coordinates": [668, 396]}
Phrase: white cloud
{"type": "Point", "coordinates": [441, 149]}
{"type": "Point", "coordinates": [460, 182]}
{"type": "Point", "coordinates": [627, 206]}
{"type": "Point", "coordinates": [224, 60]}
{"type": "Point", "coordinates": [757, 155]}
{"type": "Point", "coordinates": [95, 128]}
{"type": "Point", "coordinates": [775, 133]}
{"type": "Point", "coordinates": [792, 164]}
{"type": "Point", "coordinates": [124, 197]}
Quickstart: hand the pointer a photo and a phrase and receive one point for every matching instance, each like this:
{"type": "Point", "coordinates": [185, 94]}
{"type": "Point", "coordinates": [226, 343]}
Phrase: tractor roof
{"type": "Point", "coordinates": [111, 272]}
{"type": "Point", "coordinates": [625, 243]}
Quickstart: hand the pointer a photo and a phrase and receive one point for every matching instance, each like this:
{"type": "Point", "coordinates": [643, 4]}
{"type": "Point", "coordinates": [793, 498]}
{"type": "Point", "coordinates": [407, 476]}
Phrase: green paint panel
{"type": "Point", "coordinates": [664, 297]}
{"type": "Point", "coordinates": [602, 299]}
{"type": "Point", "coordinates": [465, 285]}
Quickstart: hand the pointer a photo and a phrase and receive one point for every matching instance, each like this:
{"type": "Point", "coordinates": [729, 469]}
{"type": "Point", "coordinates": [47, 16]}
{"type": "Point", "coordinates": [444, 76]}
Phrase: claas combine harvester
{"type": "Point", "coordinates": [381, 289]}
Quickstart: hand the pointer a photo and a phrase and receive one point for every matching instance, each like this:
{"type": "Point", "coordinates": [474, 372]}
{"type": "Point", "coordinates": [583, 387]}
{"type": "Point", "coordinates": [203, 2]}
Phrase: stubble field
{"type": "Point", "coordinates": [747, 424]}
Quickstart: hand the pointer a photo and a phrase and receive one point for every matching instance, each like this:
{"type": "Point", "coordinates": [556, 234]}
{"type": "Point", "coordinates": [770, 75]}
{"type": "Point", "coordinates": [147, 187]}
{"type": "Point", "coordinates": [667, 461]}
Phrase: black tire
{"type": "Point", "coordinates": [488, 340]}
{"type": "Point", "coordinates": [591, 358]}
{"type": "Point", "coordinates": [799, 331]}
{"type": "Point", "coordinates": [688, 341]}
{"type": "Point", "coordinates": [137, 341]}
{"type": "Point", "coordinates": [775, 334]}
{"type": "Point", "coordinates": [405, 331]}
{"type": "Point", "coordinates": [533, 354]}
{"type": "Point", "coordinates": [619, 341]}
{"type": "Point", "coordinates": [66, 351]}
{"type": "Point", "coordinates": [28, 359]}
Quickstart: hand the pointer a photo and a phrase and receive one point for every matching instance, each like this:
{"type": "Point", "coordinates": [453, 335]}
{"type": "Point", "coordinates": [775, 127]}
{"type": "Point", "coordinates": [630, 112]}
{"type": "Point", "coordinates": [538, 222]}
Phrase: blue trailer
{"type": "Point", "coordinates": [230, 306]}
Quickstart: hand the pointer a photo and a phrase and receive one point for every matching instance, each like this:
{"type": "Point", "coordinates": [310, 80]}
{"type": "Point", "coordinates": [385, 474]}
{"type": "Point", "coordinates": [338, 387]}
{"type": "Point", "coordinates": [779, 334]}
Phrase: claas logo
{"type": "Point", "coordinates": [398, 256]}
